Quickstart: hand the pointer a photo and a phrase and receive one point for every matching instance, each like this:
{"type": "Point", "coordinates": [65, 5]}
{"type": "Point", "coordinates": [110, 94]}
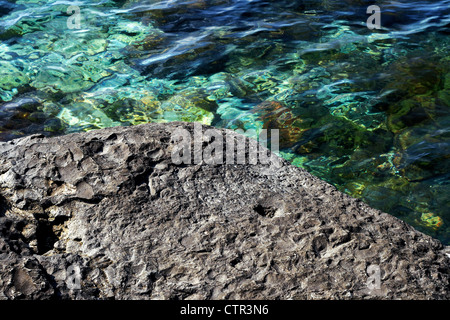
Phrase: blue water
{"type": "Point", "coordinates": [366, 110]}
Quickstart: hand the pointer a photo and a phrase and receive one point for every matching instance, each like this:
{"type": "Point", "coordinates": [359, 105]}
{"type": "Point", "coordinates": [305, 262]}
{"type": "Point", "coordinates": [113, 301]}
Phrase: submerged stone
{"type": "Point", "coordinates": [275, 115]}
{"type": "Point", "coordinates": [55, 126]}
{"type": "Point", "coordinates": [12, 76]}
{"type": "Point", "coordinates": [188, 106]}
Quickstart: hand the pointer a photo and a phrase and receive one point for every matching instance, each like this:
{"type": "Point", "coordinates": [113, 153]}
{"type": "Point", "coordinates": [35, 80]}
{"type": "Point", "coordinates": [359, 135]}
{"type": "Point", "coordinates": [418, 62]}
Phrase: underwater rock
{"type": "Point", "coordinates": [51, 108]}
{"type": "Point", "coordinates": [199, 99]}
{"type": "Point", "coordinates": [12, 76]}
{"type": "Point", "coordinates": [217, 86]}
{"type": "Point", "coordinates": [38, 117]}
{"type": "Point", "coordinates": [314, 79]}
{"type": "Point", "coordinates": [150, 41]}
{"type": "Point", "coordinates": [112, 204]}
{"type": "Point", "coordinates": [70, 45]}
{"type": "Point", "coordinates": [414, 112]}
{"type": "Point", "coordinates": [420, 155]}
{"type": "Point", "coordinates": [263, 80]}
{"type": "Point", "coordinates": [134, 33]}
{"type": "Point", "coordinates": [430, 220]}
{"type": "Point", "coordinates": [411, 76]}
{"type": "Point", "coordinates": [21, 116]}
{"type": "Point", "coordinates": [85, 113]}
{"type": "Point", "coordinates": [55, 78]}
{"type": "Point", "coordinates": [239, 87]}
{"type": "Point", "coordinates": [130, 111]}
{"type": "Point", "coordinates": [189, 105]}
{"type": "Point", "coordinates": [55, 126]}
{"type": "Point", "coordinates": [275, 115]}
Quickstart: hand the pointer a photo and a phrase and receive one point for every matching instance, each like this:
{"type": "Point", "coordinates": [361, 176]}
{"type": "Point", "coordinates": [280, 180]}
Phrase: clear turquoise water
{"type": "Point", "coordinates": [366, 110]}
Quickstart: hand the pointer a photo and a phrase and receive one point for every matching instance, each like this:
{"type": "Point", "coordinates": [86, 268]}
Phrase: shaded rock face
{"type": "Point", "coordinates": [107, 214]}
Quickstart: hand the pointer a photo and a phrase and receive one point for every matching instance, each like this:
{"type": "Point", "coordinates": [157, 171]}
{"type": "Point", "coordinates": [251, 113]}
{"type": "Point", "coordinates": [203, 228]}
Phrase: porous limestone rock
{"type": "Point", "coordinates": [108, 214]}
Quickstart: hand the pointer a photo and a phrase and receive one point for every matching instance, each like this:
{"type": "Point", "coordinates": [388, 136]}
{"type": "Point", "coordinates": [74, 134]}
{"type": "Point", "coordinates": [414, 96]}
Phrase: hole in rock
{"type": "Point", "coordinates": [3, 206]}
{"type": "Point", "coordinates": [46, 235]}
{"type": "Point", "coordinates": [265, 211]}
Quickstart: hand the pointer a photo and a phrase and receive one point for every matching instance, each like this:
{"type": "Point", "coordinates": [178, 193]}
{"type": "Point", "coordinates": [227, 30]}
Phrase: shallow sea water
{"type": "Point", "coordinates": [366, 110]}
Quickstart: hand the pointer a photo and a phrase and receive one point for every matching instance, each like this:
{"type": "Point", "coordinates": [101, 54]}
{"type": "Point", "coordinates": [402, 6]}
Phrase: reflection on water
{"type": "Point", "coordinates": [366, 110]}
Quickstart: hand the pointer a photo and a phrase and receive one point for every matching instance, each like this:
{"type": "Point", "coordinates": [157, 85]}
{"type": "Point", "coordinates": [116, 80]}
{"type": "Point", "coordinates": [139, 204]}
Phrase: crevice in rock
{"type": "Point", "coordinates": [236, 260]}
{"type": "Point", "coordinates": [265, 211]}
{"type": "Point", "coordinates": [4, 206]}
{"type": "Point", "coordinates": [92, 147]}
{"type": "Point", "coordinates": [51, 280]}
{"type": "Point", "coordinates": [143, 177]}
{"type": "Point", "coordinates": [319, 244]}
{"type": "Point", "coordinates": [46, 234]}
{"type": "Point", "coordinates": [96, 199]}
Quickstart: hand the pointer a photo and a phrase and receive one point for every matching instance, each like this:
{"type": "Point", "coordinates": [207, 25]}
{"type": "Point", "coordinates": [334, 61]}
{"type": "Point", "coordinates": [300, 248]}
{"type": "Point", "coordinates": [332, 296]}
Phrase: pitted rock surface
{"type": "Point", "coordinates": [108, 214]}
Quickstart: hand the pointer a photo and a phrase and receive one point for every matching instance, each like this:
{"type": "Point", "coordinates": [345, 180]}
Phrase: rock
{"type": "Point", "coordinates": [107, 214]}
{"type": "Point", "coordinates": [413, 76]}
{"type": "Point", "coordinates": [12, 76]}
{"type": "Point", "coordinates": [275, 115]}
